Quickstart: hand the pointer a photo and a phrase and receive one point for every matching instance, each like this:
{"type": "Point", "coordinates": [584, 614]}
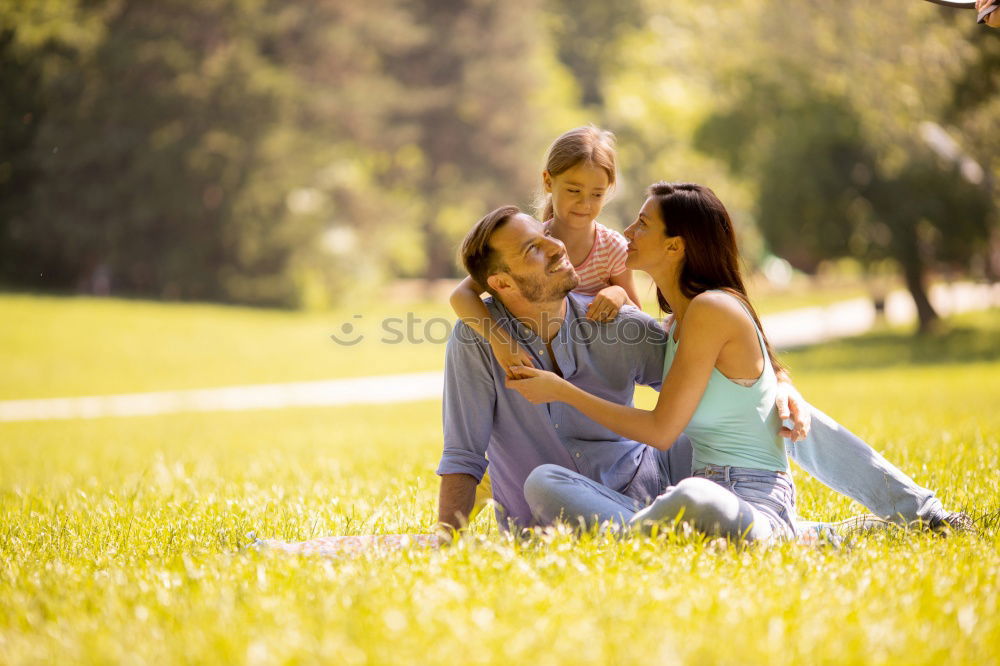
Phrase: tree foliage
{"type": "Point", "coordinates": [845, 149]}
{"type": "Point", "coordinates": [242, 150]}
{"type": "Point", "coordinates": [283, 153]}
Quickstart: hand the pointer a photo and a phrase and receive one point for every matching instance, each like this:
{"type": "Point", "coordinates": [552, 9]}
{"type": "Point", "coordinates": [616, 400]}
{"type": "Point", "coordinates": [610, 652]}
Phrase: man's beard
{"type": "Point", "coordinates": [553, 287]}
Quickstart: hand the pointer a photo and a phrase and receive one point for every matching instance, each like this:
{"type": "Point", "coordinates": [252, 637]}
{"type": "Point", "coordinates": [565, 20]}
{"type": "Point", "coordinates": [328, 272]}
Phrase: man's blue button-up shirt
{"type": "Point", "coordinates": [484, 420]}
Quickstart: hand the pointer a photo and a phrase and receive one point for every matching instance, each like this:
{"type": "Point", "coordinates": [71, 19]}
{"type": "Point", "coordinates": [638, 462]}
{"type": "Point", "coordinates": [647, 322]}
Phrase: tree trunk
{"type": "Point", "coordinates": [926, 315]}
{"type": "Point", "coordinates": [436, 249]}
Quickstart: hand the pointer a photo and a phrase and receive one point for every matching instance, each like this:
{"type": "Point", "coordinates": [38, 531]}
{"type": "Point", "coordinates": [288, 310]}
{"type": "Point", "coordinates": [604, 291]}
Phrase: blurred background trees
{"type": "Point", "coordinates": [288, 153]}
{"type": "Point", "coordinates": [835, 119]}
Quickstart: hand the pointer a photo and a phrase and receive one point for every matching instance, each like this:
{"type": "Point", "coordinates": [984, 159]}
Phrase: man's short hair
{"type": "Point", "coordinates": [481, 260]}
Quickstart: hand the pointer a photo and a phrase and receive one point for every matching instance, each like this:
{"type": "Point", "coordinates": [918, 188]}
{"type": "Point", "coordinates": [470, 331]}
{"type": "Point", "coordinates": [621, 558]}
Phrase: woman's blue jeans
{"type": "Point", "coordinates": [734, 502]}
{"type": "Point", "coordinates": [831, 454]}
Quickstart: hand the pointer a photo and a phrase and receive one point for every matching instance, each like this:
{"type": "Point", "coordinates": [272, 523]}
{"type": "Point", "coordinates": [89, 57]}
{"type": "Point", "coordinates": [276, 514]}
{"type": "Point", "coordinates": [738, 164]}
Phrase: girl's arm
{"type": "Point", "coordinates": [469, 307]}
{"type": "Point", "coordinates": [709, 327]}
{"type": "Point", "coordinates": [627, 282]}
{"type": "Point", "coordinates": [610, 300]}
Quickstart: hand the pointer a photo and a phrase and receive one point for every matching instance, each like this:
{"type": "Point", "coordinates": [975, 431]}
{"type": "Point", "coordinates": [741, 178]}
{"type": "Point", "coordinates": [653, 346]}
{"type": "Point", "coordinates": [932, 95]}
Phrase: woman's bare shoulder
{"type": "Point", "coordinates": [719, 308]}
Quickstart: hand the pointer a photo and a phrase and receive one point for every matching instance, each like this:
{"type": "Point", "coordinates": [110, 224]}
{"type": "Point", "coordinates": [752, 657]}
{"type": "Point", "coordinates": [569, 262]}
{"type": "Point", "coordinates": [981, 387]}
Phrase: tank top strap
{"type": "Point", "coordinates": [760, 333]}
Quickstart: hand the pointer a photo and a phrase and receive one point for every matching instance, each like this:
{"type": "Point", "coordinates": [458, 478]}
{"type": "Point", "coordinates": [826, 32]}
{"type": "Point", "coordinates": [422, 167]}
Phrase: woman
{"type": "Point", "coordinates": [719, 387]}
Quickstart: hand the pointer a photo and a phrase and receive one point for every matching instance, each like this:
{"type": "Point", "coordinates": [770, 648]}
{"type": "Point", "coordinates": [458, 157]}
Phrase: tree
{"type": "Point", "coordinates": [469, 89]}
{"type": "Point", "coordinates": [37, 41]}
{"type": "Point", "coordinates": [170, 147]}
{"type": "Point", "coordinates": [836, 174]}
{"type": "Point", "coordinates": [588, 38]}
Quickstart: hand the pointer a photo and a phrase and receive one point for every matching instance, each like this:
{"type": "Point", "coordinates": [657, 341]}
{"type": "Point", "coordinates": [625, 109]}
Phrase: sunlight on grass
{"type": "Point", "coordinates": [53, 347]}
{"type": "Point", "coordinates": [59, 346]}
{"type": "Point", "coordinates": [768, 299]}
{"type": "Point", "coordinates": [121, 540]}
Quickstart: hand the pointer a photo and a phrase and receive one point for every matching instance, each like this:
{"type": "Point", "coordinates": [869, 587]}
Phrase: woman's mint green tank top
{"type": "Point", "coordinates": [735, 425]}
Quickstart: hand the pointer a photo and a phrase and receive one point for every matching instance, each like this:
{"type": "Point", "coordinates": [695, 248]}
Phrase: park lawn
{"type": "Point", "coordinates": [76, 346]}
{"type": "Point", "coordinates": [767, 299]}
{"type": "Point", "coordinates": [68, 346]}
{"type": "Point", "coordinates": [121, 542]}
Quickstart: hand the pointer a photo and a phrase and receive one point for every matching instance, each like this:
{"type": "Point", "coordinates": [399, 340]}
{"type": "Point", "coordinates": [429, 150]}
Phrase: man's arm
{"type": "Point", "coordinates": [646, 354]}
{"type": "Point", "coordinates": [458, 494]}
{"type": "Point", "coordinates": [469, 399]}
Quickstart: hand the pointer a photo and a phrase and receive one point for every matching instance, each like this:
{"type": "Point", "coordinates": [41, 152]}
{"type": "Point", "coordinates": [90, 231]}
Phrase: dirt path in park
{"type": "Point", "coordinates": [794, 328]}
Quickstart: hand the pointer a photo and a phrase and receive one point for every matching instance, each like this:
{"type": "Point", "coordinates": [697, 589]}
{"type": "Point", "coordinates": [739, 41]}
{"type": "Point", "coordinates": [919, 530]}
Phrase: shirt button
{"type": "Point", "coordinates": [542, 352]}
{"type": "Point", "coordinates": [557, 425]}
{"type": "Point", "coordinates": [577, 454]}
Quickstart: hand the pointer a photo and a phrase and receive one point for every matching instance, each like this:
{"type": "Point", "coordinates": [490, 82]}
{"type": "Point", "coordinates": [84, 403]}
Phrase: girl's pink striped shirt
{"type": "Point", "coordinates": [606, 259]}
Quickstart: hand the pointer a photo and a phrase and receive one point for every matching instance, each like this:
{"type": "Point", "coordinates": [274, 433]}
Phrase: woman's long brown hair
{"type": "Point", "coordinates": [711, 257]}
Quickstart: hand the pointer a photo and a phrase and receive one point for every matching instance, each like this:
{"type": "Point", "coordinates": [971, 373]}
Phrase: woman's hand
{"type": "Point", "coordinates": [791, 405]}
{"type": "Point", "coordinates": [607, 303]}
{"type": "Point", "coordinates": [537, 386]}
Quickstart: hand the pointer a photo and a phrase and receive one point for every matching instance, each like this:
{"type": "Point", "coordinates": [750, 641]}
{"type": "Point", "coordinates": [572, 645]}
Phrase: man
{"type": "Point", "coordinates": [530, 278]}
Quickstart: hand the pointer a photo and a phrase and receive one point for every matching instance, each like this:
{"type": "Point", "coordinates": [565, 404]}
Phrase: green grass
{"type": "Point", "coordinates": [58, 346]}
{"type": "Point", "coordinates": [769, 300]}
{"type": "Point", "coordinates": [972, 338]}
{"type": "Point", "coordinates": [120, 538]}
{"type": "Point", "coordinates": [53, 347]}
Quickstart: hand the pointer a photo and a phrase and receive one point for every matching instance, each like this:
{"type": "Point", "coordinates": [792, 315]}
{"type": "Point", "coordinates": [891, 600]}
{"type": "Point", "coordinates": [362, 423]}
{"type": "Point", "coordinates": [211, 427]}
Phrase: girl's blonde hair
{"type": "Point", "coordinates": [589, 144]}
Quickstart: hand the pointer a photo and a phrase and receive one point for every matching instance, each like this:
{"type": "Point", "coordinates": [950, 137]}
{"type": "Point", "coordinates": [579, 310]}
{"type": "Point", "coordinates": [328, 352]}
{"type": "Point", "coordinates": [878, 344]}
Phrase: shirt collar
{"type": "Point", "coordinates": [524, 334]}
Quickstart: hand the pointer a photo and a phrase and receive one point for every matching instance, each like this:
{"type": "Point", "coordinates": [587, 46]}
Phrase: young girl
{"type": "Point", "coordinates": [579, 175]}
{"type": "Point", "coordinates": [719, 387]}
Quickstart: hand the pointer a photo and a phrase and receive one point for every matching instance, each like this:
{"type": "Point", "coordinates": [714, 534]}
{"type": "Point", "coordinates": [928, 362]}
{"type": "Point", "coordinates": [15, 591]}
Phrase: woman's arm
{"type": "Point", "coordinates": [708, 325]}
